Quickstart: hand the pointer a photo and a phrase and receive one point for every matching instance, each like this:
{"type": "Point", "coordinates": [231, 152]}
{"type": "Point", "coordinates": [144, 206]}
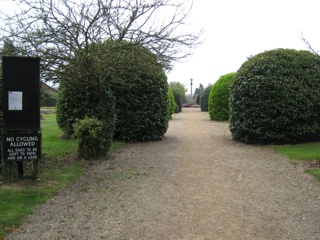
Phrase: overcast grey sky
{"type": "Point", "coordinates": [237, 29]}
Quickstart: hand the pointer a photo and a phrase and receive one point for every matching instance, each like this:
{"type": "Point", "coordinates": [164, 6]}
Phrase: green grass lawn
{"type": "Point", "coordinates": [303, 152]}
{"type": "Point", "coordinates": [19, 198]}
{"type": "Point", "coordinates": [51, 143]}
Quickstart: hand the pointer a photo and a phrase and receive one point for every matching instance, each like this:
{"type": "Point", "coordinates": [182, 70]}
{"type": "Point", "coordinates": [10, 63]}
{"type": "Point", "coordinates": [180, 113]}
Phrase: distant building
{"type": "Point", "coordinates": [49, 89]}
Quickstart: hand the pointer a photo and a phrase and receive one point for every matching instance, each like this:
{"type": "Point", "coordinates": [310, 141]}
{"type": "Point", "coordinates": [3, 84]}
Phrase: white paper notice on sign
{"type": "Point", "coordinates": [15, 101]}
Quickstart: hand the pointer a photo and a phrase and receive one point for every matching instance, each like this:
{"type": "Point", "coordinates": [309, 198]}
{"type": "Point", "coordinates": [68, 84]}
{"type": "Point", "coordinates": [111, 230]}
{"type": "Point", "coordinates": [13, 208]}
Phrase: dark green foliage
{"type": "Point", "coordinates": [83, 93]}
{"type": "Point", "coordinates": [198, 99]}
{"type": "Point", "coordinates": [48, 100]}
{"type": "Point", "coordinates": [179, 92]}
{"type": "Point", "coordinates": [92, 143]}
{"type": "Point", "coordinates": [140, 87]}
{"type": "Point", "coordinates": [1, 116]}
{"type": "Point", "coordinates": [275, 98]}
{"type": "Point", "coordinates": [142, 109]}
{"type": "Point", "coordinates": [76, 101]}
{"type": "Point", "coordinates": [138, 84]}
{"type": "Point", "coordinates": [218, 103]}
{"type": "Point", "coordinates": [0, 99]}
{"type": "Point", "coordinates": [172, 103]}
{"type": "Point", "coordinates": [205, 98]}
{"type": "Point", "coordinates": [178, 101]}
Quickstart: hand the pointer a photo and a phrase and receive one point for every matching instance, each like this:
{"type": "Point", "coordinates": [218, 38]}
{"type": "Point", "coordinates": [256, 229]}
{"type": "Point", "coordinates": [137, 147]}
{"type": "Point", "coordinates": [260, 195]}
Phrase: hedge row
{"type": "Point", "coordinates": [218, 103]}
{"type": "Point", "coordinates": [119, 84]}
{"type": "Point", "coordinates": [275, 98]}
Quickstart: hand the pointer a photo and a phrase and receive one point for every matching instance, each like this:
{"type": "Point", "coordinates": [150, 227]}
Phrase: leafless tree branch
{"type": "Point", "coordinates": [56, 30]}
{"type": "Point", "coordinates": [308, 45]}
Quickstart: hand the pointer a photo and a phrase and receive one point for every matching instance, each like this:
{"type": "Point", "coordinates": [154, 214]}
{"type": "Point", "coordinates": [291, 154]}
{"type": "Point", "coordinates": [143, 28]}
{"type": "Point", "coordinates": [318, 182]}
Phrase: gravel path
{"type": "Point", "coordinates": [195, 184]}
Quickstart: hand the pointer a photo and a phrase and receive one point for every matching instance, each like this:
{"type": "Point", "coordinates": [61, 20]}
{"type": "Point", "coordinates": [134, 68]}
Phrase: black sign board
{"type": "Point", "coordinates": [21, 137]}
{"type": "Point", "coordinates": [22, 146]}
{"type": "Point", "coordinates": [21, 92]}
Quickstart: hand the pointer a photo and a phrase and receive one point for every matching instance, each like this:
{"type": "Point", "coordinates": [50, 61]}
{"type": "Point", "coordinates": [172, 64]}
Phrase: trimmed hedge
{"type": "Point", "coordinates": [172, 103]}
{"type": "Point", "coordinates": [179, 92]}
{"type": "Point", "coordinates": [178, 102]}
{"type": "Point", "coordinates": [205, 98]}
{"type": "Point", "coordinates": [76, 102]}
{"type": "Point", "coordinates": [82, 94]}
{"type": "Point", "coordinates": [140, 87]}
{"type": "Point", "coordinates": [142, 109]}
{"type": "Point", "coordinates": [198, 99]}
{"type": "Point", "coordinates": [275, 98]}
{"type": "Point", "coordinates": [218, 103]}
{"type": "Point", "coordinates": [138, 84]}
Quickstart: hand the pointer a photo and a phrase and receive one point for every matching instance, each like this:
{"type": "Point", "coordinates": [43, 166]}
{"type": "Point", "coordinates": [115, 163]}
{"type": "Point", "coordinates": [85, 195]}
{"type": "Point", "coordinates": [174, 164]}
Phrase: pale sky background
{"type": "Point", "coordinates": [237, 29]}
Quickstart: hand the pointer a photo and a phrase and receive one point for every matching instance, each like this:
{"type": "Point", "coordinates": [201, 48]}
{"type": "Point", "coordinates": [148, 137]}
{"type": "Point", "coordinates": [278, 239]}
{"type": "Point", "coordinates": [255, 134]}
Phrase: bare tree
{"type": "Point", "coordinates": [56, 30]}
{"type": "Point", "coordinates": [308, 45]}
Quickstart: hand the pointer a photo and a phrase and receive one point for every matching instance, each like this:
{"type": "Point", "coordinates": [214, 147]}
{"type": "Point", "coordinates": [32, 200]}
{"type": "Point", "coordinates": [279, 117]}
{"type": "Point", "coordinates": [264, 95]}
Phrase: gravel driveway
{"type": "Point", "coordinates": [195, 184]}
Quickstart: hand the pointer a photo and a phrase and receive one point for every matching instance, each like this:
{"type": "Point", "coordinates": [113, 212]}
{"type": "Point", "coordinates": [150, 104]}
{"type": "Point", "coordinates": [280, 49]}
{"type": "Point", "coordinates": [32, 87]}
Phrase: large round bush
{"type": "Point", "coordinates": [275, 98]}
{"type": "Point", "coordinates": [142, 109]}
{"type": "Point", "coordinates": [141, 92]}
{"type": "Point", "coordinates": [76, 101]}
{"type": "Point", "coordinates": [218, 103]}
{"type": "Point", "coordinates": [205, 98]}
{"type": "Point", "coordinates": [82, 94]}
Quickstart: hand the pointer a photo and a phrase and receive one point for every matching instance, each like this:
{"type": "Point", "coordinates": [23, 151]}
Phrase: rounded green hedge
{"type": "Point", "coordinates": [142, 109]}
{"type": "Point", "coordinates": [82, 94]}
{"type": "Point", "coordinates": [275, 98]}
{"type": "Point", "coordinates": [179, 92]}
{"type": "Point", "coordinates": [205, 98]}
{"type": "Point", "coordinates": [218, 103]}
{"type": "Point", "coordinates": [140, 87]}
{"type": "Point", "coordinates": [76, 101]}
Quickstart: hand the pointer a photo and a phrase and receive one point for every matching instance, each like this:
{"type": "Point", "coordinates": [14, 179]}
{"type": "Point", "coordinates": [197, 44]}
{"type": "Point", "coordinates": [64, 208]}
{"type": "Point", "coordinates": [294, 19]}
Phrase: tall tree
{"type": "Point", "coordinates": [201, 88]}
{"type": "Point", "coordinates": [56, 30]}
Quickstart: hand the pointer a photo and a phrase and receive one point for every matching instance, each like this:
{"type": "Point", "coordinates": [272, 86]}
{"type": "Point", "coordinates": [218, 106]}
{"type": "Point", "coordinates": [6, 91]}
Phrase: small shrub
{"type": "Point", "coordinates": [205, 98]}
{"type": "Point", "coordinates": [275, 98]}
{"type": "Point", "coordinates": [218, 103]}
{"type": "Point", "coordinates": [92, 141]}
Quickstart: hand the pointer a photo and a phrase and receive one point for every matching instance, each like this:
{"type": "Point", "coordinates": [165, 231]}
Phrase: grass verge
{"type": "Point", "coordinates": [51, 144]}
{"type": "Point", "coordinates": [314, 172]}
{"type": "Point", "coordinates": [58, 169]}
{"type": "Point", "coordinates": [18, 200]}
{"type": "Point", "coordinates": [304, 152]}
{"type": "Point", "coordinates": [309, 152]}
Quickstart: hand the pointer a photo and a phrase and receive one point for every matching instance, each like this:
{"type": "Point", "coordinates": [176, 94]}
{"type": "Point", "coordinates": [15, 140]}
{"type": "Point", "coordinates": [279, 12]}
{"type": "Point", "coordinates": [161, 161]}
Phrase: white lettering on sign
{"type": "Point", "coordinates": [22, 144]}
{"type": "Point", "coordinates": [22, 148]}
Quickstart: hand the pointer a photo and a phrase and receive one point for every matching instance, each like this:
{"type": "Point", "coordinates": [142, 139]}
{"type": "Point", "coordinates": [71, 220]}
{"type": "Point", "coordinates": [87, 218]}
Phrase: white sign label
{"type": "Point", "coordinates": [15, 101]}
